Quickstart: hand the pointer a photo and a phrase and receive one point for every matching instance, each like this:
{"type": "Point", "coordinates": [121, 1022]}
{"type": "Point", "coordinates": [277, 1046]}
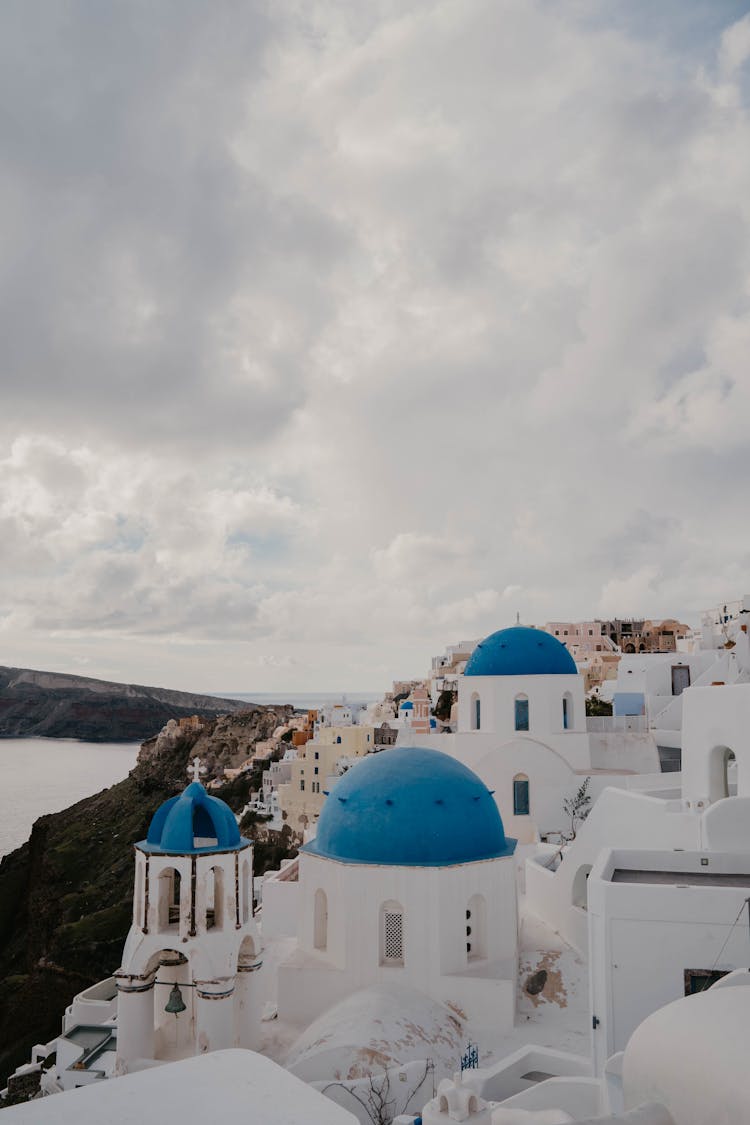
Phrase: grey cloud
{"type": "Point", "coordinates": [326, 324]}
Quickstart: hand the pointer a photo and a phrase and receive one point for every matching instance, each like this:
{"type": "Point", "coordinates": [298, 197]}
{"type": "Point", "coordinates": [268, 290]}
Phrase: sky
{"type": "Point", "coordinates": [333, 332]}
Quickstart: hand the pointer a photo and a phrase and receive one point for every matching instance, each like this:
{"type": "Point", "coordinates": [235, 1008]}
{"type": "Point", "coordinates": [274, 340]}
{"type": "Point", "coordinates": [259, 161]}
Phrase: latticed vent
{"type": "Point", "coordinates": [393, 937]}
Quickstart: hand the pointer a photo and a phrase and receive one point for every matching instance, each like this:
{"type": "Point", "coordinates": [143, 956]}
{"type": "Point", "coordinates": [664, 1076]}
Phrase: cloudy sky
{"type": "Point", "coordinates": [335, 331]}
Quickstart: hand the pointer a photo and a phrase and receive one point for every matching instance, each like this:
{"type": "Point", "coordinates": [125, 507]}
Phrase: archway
{"type": "Point", "coordinates": [173, 1030]}
{"type": "Point", "coordinates": [215, 899]}
{"type": "Point", "coordinates": [719, 761]}
{"type": "Point", "coordinates": [170, 894]}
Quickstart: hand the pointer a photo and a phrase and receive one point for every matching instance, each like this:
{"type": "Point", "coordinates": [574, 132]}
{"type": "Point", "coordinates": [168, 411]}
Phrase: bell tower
{"type": "Point", "coordinates": [420, 721]}
{"type": "Point", "coordinates": [188, 982]}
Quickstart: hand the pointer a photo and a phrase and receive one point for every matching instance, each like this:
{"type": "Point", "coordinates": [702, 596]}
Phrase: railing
{"type": "Point", "coordinates": [615, 724]}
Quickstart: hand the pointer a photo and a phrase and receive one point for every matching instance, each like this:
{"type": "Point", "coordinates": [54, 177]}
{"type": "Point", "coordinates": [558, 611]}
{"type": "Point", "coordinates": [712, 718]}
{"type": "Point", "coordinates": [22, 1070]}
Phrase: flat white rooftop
{"type": "Point", "coordinates": [224, 1086]}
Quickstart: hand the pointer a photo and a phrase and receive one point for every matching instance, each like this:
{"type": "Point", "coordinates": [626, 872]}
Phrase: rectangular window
{"type": "Point", "coordinates": [522, 714]}
{"type": "Point", "coordinates": [697, 980]}
{"type": "Point", "coordinates": [317, 755]}
{"type": "Point", "coordinates": [315, 770]}
{"type": "Point", "coordinates": [302, 785]}
{"type": "Point", "coordinates": [521, 797]}
{"type": "Point", "coordinates": [393, 937]}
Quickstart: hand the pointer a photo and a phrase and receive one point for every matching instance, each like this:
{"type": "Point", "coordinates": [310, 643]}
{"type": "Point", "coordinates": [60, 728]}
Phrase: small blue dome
{"type": "Point", "coordinates": [407, 705]}
{"type": "Point", "coordinates": [520, 651]}
{"type": "Point", "coordinates": [410, 807]}
{"type": "Point", "coordinates": [193, 815]}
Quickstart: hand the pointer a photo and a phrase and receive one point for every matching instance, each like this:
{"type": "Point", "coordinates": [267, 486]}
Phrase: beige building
{"type": "Point", "coordinates": [316, 771]}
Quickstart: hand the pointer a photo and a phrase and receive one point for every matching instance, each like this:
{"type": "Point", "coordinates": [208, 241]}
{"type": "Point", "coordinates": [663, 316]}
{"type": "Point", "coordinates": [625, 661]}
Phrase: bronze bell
{"type": "Point", "coordinates": [175, 1003]}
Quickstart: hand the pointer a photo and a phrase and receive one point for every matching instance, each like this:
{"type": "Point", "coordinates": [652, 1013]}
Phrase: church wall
{"type": "Point", "coordinates": [545, 695]}
{"type": "Point", "coordinates": [434, 903]}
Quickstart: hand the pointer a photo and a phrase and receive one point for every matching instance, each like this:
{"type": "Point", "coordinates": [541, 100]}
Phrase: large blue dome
{"type": "Point", "coordinates": [193, 823]}
{"type": "Point", "coordinates": [520, 651]}
{"type": "Point", "coordinates": [410, 807]}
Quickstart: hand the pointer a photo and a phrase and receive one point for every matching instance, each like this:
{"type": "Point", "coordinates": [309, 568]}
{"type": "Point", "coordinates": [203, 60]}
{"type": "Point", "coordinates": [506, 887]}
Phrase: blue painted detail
{"type": "Point", "coordinates": [520, 651]}
{"type": "Point", "coordinates": [407, 705]}
{"type": "Point", "coordinates": [450, 815]}
{"type": "Point", "coordinates": [628, 703]}
{"type": "Point", "coordinates": [176, 824]}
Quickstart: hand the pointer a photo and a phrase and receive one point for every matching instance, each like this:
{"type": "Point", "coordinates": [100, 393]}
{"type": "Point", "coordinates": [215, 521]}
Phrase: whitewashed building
{"type": "Point", "coordinates": [521, 726]}
{"type": "Point", "coordinates": [193, 947]}
{"type": "Point", "coordinates": [409, 881]}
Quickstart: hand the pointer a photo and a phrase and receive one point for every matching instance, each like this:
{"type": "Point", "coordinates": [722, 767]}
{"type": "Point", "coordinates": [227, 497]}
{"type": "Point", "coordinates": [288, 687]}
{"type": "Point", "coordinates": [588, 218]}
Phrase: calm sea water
{"type": "Point", "coordinates": [44, 775]}
{"type": "Point", "coordinates": [306, 701]}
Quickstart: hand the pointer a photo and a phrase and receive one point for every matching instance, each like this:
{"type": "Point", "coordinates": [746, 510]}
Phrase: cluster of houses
{"type": "Point", "coordinates": [513, 914]}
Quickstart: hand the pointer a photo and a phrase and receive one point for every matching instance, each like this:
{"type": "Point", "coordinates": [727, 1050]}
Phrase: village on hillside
{"type": "Point", "coordinates": [522, 894]}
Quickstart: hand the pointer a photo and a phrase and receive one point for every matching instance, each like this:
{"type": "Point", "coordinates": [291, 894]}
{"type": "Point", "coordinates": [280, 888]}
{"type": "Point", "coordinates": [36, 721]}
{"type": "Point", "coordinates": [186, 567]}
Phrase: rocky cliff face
{"type": "Point", "coordinates": [51, 705]}
{"type": "Point", "coordinates": [66, 895]}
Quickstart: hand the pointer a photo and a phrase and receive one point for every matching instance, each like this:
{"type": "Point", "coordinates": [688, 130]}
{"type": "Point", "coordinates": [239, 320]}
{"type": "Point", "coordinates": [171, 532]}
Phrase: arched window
{"type": "Point", "coordinates": [521, 795]}
{"type": "Point", "coordinates": [522, 712]}
{"type": "Point", "coordinates": [476, 928]}
{"type": "Point", "coordinates": [338, 739]}
{"type": "Point", "coordinates": [391, 934]}
{"type": "Point", "coordinates": [170, 891]}
{"type": "Point", "coordinates": [246, 893]}
{"type": "Point", "coordinates": [567, 711]}
{"type": "Point", "coordinates": [215, 898]}
{"type": "Point", "coordinates": [320, 927]}
{"type": "Point", "coordinates": [476, 712]}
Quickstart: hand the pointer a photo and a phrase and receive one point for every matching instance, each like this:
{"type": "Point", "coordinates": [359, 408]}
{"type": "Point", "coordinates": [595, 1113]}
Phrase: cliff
{"type": "Point", "coordinates": [66, 894]}
{"type": "Point", "coordinates": [53, 705]}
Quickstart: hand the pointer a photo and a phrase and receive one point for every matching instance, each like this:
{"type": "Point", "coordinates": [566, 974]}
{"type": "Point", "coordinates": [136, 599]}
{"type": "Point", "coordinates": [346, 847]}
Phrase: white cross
{"type": "Point", "coordinates": [196, 769]}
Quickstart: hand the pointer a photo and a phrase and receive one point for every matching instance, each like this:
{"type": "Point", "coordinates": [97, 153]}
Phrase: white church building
{"type": "Point", "coordinates": [394, 937]}
{"type": "Point", "coordinates": [409, 881]}
{"type": "Point", "coordinates": [521, 726]}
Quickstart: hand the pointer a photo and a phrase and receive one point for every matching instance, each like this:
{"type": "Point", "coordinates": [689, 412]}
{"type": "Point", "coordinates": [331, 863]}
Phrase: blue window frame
{"type": "Point", "coordinates": [522, 714]}
{"type": "Point", "coordinates": [521, 796]}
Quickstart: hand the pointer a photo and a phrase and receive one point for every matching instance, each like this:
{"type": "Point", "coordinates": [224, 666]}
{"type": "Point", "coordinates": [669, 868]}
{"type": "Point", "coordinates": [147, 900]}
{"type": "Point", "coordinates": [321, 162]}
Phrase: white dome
{"type": "Point", "coordinates": [691, 1056]}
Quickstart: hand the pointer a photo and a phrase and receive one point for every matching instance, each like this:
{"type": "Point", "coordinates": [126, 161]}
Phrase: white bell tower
{"type": "Point", "coordinates": [189, 976]}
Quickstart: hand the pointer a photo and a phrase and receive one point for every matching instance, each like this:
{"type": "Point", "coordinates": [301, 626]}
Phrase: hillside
{"type": "Point", "coordinates": [53, 705]}
{"type": "Point", "coordinates": [66, 895]}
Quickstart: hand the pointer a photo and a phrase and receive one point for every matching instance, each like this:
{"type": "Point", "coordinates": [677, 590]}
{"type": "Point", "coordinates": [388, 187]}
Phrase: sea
{"type": "Point", "coordinates": [306, 701]}
{"type": "Point", "coordinates": [45, 775]}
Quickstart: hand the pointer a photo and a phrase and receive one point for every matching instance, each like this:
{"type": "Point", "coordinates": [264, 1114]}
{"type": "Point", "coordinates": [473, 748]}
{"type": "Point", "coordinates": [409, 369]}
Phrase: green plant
{"type": "Point", "coordinates": [577, 808]}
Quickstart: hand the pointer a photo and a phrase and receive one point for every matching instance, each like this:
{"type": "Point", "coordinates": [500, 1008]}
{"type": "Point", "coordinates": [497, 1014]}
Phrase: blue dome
{"type": "Point", "coordinates": [407, 705]}
{"type": "Point", "coordinates": [410, 807]}
{"type": "Point", "coordinates": [193, 815]}
{"type": "Point", "coordinates": [520, 651]}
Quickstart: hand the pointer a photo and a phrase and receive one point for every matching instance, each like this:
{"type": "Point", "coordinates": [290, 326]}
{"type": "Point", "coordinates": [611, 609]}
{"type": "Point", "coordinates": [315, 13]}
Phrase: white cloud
{"type": "Point", "coordinates": [333, 333]}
